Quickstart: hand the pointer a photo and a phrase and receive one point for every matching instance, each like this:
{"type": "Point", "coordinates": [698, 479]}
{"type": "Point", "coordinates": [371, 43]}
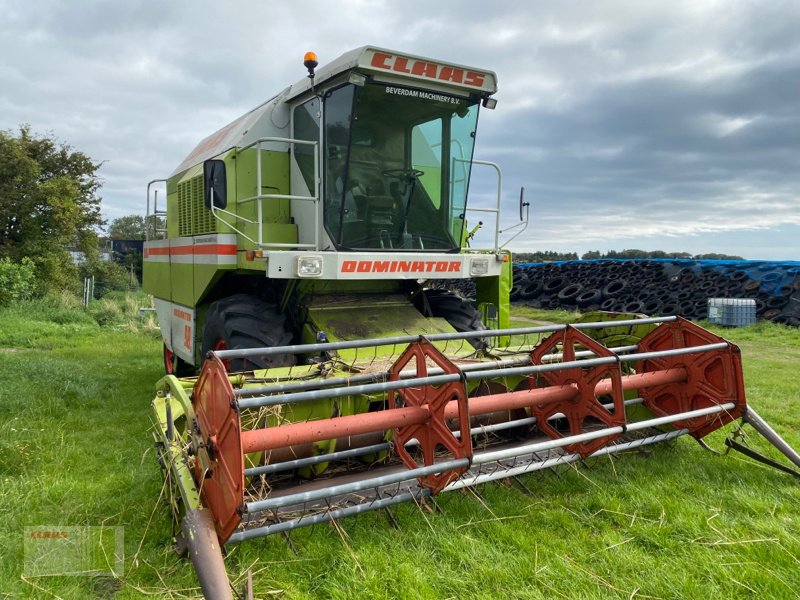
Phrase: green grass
{"type": "Point", "coordinates": [672, 522]}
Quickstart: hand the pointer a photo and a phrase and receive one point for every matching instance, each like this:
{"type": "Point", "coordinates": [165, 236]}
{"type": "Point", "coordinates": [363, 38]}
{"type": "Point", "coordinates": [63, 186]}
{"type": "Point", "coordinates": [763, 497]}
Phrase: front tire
{"type": "Point", "coordinates": [245, 321]}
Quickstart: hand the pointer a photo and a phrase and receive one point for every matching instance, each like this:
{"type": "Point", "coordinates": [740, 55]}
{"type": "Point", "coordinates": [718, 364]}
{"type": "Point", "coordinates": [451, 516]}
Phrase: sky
{"type": "Point", "coordinates": [654, 125]}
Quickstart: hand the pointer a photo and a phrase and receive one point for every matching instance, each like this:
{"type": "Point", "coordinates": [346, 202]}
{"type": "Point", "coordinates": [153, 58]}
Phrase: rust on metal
{"type": "Point", "coordinates": [218, 438]}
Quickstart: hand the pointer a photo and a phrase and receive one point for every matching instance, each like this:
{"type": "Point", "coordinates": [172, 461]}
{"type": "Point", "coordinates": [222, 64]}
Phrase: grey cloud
{"type": "Point", "coordinates": [655, 123]}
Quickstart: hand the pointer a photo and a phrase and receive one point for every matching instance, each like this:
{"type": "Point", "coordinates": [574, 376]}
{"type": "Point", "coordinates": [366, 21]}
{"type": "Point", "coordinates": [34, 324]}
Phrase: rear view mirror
{"type": "Point", "coordinates": [215, 184]}
{"type": "Point", "coordinates": [522, 205]}
{"type": "Point", "coordinates": [524, 213]}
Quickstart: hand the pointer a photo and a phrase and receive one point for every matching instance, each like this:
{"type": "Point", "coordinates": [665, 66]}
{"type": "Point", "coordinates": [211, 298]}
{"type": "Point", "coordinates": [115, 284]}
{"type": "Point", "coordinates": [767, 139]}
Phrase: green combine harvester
{"type": "Point", "coordinates": [314, 373]}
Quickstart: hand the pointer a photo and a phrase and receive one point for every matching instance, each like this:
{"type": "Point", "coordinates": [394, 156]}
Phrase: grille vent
{"type": "Point", "coordinates": [193, 217]}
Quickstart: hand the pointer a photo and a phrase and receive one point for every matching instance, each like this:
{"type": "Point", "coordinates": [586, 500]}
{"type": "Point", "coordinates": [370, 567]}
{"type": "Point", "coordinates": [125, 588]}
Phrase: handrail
{"type": "Point", "coordinates": [259, 197]}
{"type": "Point", "coordinates": [156, 213]}
{"type": "Point", "coordinates": [496, 210]}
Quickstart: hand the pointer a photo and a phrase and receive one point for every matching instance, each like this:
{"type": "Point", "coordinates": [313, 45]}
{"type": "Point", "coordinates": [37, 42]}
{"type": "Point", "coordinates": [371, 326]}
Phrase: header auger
{"type": "Point", "coordinates": [312, 371]}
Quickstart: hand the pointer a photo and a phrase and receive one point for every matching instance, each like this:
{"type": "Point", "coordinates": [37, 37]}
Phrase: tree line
{"type": "Point", "coordinates": [49, 205]}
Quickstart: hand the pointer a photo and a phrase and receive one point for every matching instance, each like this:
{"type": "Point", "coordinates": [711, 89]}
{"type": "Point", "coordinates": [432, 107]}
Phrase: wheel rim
{"type": "Point", "coordinates": [169, 361]}
{"type": "Point", "coordinates": [223, 345]}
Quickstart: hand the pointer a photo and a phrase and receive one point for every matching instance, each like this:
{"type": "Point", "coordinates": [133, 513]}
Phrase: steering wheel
{"type": "Point", "coordinates": [403, 173]}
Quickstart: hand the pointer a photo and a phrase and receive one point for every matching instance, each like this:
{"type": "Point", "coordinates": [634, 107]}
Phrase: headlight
{"type": "Point", "coordinates": [479, 266]}
{"type": "Point", "coordinates": [309, 266]}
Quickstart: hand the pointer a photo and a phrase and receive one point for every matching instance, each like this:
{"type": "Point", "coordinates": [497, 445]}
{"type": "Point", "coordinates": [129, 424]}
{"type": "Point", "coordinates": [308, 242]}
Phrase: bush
{"type": "Point", "coordinates": [108, 277]}
{"type": "Point", "coordinates": [17, 280]}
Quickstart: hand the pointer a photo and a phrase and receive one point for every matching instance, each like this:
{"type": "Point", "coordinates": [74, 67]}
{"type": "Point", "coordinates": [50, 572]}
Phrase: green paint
{"type": "Point", "coordinates": [495, 291]}
{"type": "Point", "coordinates": [171, 391]}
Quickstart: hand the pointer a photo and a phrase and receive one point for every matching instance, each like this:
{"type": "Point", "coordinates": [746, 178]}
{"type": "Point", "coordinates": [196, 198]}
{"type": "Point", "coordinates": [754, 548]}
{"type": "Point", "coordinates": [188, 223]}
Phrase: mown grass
{"type": "Point", "coordinates": [672, 522]}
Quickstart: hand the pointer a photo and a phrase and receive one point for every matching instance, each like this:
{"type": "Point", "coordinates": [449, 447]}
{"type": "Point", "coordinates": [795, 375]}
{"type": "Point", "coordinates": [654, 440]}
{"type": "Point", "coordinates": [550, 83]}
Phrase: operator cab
{"type": "Point", "coordinates": [395, 161]}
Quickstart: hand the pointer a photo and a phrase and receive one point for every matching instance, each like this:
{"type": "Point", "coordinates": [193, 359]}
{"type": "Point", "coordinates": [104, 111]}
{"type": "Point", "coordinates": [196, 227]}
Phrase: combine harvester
{"type": "Point", "coordinates": [290, 266]}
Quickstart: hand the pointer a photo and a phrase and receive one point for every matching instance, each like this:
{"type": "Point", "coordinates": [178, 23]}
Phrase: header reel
{"type": "Point", "coordinates": [272, 451]}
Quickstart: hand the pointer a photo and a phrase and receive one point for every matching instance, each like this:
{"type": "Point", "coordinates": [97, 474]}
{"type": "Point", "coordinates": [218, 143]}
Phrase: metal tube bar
{"type": "Point", "coordinates": [495, 210]}
{"type": "Point", "coordinates": [585, 353]}
{"type": "Point", "coordinates": [773, 437]}
{"type": "Point", "coordinates": [279, 140]}
{"type": "Point", "coordinates": [385, 446]}
{"type": "Point", "coordinates": [643, 380]}
{"type": "Point", "coordinates": [481, 405]}
{"type": "Point", "coordinates": [320, 458]}
{"type": "Point", "coordinates": [330, 515]}
{"type": "Point", "coordinates": [282, 388]}
{"type": "Point", "coordinates": [594, 362]}
{"type": "Point", "coordinates": [532, 420]}
{"type": "Point", "coordinates": [260, 210]}
{"type": "Point", "coordinates": [270, 438]}
{"type": "Point", "coordinates": [434, 337]}
{"type": "Point", "coordinates": [259, 440]}
{"type": "Point", "coordinates": [653, 439]}
{"type": "Point", "coordinates": [204, 551]}
{"type": "Point", "coordinates": [355, 486]}
{"type": "Point", "coordinates": [593, 435]}
{"type": "Point", "coordinates": [268, 245]}
{"type": "Point", "coordinates": [375, 448]}
{"type": "Point", "coordinates": [674, 352]}
{"type": "Point", "coordinates": [563, 459]}
{"type": "Point", "coordinates": [305, 521]}
{"type": "Point", "coordinates": [479, 429]}
{"type": "Point", "coordinates": [365, 389]}
{"type": "Point", "coordinates": [277, 197]}
{"type": "Point", "coordinates": [377, 388]}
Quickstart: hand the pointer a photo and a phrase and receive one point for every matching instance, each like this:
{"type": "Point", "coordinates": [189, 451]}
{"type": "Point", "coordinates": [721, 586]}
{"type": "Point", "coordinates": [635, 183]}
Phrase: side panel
{"type": "Point", "coordinates": [211, 254]}
{"type": "Point", "coordinates": [496, 291]}
{"type": "Point", "coordinates": [182, 269]}
{"type": "Point", "coordinates": [177, 324]}
{"type": "Point", "coordinates": [156, 273]}
{"type": "Point", "coordinates": [172, 207]}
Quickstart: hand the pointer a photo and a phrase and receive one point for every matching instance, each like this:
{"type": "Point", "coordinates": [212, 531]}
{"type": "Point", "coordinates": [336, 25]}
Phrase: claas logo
{"type": "Point", "coordinates": [428, 70]}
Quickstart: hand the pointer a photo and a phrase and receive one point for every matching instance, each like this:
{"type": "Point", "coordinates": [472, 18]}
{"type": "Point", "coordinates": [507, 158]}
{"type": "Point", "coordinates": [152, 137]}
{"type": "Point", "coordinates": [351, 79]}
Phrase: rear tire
{"type": "Point", "coordinates": [245, 321]}
{"type": "Point", "coordinates": [460, 313]}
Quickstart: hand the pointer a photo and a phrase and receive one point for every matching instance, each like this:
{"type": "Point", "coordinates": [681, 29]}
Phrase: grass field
{"type": "Point", "coordinates": [673, 522]}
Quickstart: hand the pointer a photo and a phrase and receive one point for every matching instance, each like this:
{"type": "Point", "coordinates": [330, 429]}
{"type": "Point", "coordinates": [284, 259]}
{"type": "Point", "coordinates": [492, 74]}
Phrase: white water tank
{"type": "Point", "coordinates": [733, 312]}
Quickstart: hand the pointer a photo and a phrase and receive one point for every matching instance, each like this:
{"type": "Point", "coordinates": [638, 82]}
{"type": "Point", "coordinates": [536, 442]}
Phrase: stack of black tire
{"type": "Point", "coordinates": [656, 287]}
{"type": "Point", "coordinates": [660, 287]}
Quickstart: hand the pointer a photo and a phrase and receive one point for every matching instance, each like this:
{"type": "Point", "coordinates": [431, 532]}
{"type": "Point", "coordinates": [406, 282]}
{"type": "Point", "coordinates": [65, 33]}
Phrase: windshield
{"type": "Point", "coordinates": [397, 164]}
